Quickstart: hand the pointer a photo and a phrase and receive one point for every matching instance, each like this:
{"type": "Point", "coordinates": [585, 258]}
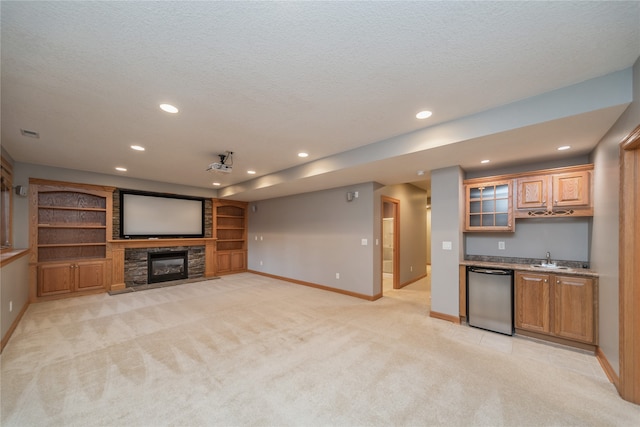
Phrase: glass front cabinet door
{"type": "Point", "coordinates": [488, 206]}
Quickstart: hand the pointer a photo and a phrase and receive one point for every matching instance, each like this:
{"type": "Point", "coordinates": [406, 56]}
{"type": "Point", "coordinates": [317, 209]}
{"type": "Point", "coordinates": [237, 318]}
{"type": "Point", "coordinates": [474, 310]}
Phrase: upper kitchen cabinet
{"type": "Point", "coordinates": [493, 203]}
{"type": "Point", "coordinates": [559, 192]}
{"type": "Point", "coordinates": [489, 205]}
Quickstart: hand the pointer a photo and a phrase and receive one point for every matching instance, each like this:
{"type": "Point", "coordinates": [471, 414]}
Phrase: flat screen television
{"type": "Point", "coordinates": [158, 215]}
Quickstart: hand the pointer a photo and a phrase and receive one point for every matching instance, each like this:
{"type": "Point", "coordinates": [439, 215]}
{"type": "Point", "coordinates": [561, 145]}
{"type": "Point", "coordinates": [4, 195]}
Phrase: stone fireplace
{"type": "Point", "coordinates": [167, 266]}
{"type": "Point", "coordinates": [144, 266]}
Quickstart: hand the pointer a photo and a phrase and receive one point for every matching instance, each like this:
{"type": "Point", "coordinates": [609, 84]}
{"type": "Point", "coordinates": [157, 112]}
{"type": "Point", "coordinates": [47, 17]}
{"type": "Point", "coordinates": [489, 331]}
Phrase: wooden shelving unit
{"type": "Point", "coordinates": [230, 231]}
{"type": "Point", "coordinates": [70, 224]}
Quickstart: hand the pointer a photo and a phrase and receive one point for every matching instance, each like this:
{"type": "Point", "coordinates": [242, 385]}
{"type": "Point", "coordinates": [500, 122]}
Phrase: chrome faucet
{"type": "Point", "coordinates": [548, 257]}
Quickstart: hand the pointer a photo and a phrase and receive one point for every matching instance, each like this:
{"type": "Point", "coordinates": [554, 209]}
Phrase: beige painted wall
{"type": "Point", "coordinates": [604, 243]}
{"type": "Point", "coordinates": [14, 291]}
{"type": "Point", "coordinates": [413, 229]}
{"type": "Point", "coordinates": [313, 237]}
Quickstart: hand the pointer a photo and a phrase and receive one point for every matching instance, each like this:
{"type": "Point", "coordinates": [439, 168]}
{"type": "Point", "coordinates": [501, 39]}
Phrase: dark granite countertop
{"type": "Point", "coordinates": [567, 267]}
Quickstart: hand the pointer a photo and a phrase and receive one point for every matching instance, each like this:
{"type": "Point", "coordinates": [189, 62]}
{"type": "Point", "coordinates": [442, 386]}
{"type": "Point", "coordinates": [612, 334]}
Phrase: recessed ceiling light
{"type": "Point", "coordinates": [251, 172]}
{"type": "Point", "coordinates": [423, 115]}
{"type": "Point", "coordinates": [485, 161]}
{"type": "Point", "coordinates": [216, 184]}
{"type": "Point", "coordinates": [121, 169]}
{"type": "Point", "coordinates": [168, 108]}
{"type": "Point", "coordinates": [137, 147]}
{"type": "Point", "coordinates": [564, 147]}
{"type": "Point", "coordinates": [303, 154]}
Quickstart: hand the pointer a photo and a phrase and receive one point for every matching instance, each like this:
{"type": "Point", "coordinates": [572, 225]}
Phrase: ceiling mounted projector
{"type": "Point", "coordinates": [219, 167]}
{"type": "Point", "coordinates": [225, 165]}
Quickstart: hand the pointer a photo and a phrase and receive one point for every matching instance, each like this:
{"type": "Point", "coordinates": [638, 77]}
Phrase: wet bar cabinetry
{"type": "Point", "coordinates": [230, 232]}
{"type": "Point", "coordinates": [555, 194]}
{"type": "Point", "coordinates": [495, 203]}
{"type": "Point", "coordinates": [69, 227]}
{"type": "Point", "coordinates": [557, 305]}
{"type": "Point", "coordinates": [488, 206]}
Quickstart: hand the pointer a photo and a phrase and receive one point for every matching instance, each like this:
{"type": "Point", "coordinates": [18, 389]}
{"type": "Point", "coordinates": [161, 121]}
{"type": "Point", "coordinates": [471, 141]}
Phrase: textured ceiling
{"type": "Point", "coordinates": [268, 79]}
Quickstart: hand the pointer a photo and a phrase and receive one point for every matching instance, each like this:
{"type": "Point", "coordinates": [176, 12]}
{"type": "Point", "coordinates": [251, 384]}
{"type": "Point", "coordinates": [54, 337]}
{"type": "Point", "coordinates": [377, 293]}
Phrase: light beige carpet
{"type": "Point", "coordinates": [250, 350]}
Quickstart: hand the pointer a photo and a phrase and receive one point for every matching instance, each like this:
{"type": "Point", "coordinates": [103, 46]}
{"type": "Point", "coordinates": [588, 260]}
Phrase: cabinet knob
{"type": "Point", "coordinates": [558, 281]}
{"type": "Point", "coordinates": [545, 280]}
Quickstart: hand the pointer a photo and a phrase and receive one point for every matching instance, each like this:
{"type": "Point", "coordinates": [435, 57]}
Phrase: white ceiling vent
{"type": "Point", "coordinates": [30, 133]}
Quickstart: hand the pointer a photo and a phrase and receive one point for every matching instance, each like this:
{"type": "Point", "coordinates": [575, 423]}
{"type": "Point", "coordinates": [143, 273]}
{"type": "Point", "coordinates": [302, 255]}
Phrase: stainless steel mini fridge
{"type": "Point", "coordinates": [490, 299]}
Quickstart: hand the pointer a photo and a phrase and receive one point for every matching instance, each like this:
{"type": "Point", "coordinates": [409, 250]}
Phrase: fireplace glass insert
{"type": "Point", "coordinates": [167, 266]}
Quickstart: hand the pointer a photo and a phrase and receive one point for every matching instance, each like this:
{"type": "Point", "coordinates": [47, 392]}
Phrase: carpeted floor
{"type": "Point", "coordinates": [250, 350]}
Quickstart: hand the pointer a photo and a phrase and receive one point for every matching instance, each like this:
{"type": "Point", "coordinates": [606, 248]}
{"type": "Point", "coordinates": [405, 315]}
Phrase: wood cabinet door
{"type": "Point", "coordinates": [223, 262]}
{"type": "Point", "coordinates": [89, 275]}
{"type": "Point", "coordinates": [532, 192]}
{"type": "Point", "coordinates": [532, 302]}
{"type": "Point", "coordinates": [238, 261]}
{"type": "Point", "coordinates": [54, 279]}
{"type": "Point", "coordinates": [571, 189]}
{"type": "Point", "coordinates": [231, 261]}
{"type": "Point", "coordinates": [573, 315]}
{"type": "Point", "coordinates": [489, 206]}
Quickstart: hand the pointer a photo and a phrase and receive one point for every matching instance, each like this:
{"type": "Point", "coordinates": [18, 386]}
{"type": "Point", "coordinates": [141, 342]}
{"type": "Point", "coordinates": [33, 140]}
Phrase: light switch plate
{"type": "Point", "coordinates": [364, 242]}
{"type": "Point", "coordinates": [447, 246]}
{"type": "Point", "coordinates": [501, 246]}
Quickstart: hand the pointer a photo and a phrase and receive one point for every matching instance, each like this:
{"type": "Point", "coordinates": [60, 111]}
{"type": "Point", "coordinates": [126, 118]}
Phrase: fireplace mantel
{"type": "Point", "coordinates": [115, 251]}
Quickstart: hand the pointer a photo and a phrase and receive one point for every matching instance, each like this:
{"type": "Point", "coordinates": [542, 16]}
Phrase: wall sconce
{"type": "Point", "coordinates": [351, 195]}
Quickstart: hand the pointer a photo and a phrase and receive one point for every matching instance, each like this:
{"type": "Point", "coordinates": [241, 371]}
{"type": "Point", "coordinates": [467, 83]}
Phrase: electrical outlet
{"type": "Point", "coordinates": [260, 262]}
{"type": "Point", "coordinates": [10, 306]}
{"type": "Point", "coordinates": [337, 275]}
{"type": "Point", "coordinates": [364, 242]}
{"type": "Point", "coordinates": [501, 246]}
{"type": "Point", "coordinates": [411, 268]}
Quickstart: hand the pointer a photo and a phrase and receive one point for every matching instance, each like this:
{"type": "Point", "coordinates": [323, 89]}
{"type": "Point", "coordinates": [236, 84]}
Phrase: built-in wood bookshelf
{"type": "Point", "coordinates": [69, 227]}
{"type": "Point", "coordinates": [230, 231]}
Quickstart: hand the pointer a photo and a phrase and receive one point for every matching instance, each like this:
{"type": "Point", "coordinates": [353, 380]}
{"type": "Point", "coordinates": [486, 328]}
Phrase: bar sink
{"type": "Point", "coordinates": [551, 266]}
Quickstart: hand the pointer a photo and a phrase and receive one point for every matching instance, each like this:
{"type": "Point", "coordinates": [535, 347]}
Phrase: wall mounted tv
{"type": "Point", "coordinates": [157, 215]}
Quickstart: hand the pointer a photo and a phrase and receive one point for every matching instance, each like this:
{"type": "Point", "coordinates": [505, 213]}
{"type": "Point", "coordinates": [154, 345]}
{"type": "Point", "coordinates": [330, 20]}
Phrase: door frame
{"type": "Point", "coordinates": [396, 239]}
{"type": "Point", "coordinates": [629, 268]}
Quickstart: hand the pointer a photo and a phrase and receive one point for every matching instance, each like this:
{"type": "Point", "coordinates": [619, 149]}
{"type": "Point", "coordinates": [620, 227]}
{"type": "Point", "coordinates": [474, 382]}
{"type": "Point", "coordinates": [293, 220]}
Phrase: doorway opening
{"type": "Point", "coordinates": [628, 384]}
{"type": "Point", "coordinates": [390, 243]}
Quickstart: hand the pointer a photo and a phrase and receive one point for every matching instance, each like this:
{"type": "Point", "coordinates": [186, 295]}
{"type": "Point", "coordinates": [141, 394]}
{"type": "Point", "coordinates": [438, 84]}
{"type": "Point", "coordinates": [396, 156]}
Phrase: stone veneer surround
{"type": "Point", "coordinates": [135, 262]}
